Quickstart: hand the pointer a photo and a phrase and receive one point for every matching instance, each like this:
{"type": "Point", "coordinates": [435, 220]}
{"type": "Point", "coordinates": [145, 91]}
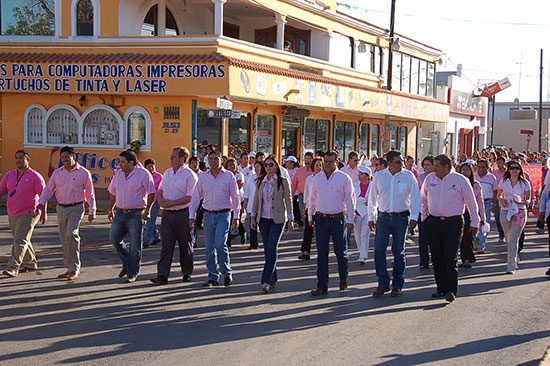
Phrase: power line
{"type": "Point", "coordinates": [485, 22]}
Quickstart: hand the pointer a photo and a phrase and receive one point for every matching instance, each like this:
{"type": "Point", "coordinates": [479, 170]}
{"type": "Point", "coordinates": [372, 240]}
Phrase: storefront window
{"type": "Point", "coordinates": [431, 80]}
{"type": "Point", "coordinates": [62, 127]}
{"type": "Point", "coordinates": [344, 140]}
{"type": "Point", "coordinates": [414, 75]}
{"type": "Point", "coordinates": [406, 74]}
{"type": "Point", "coordinates": [101, 127]}
{"type": "Point", "coordinates": [364, 139]}
{"type": "Point", "coordinates": [393, 137]}
{"type": "Point", "coordinates": [403, 140]}
{"type": "Point", "coordinates": [264, 134]}
{"type": "Point", "coordinates": [396, 71]}
{"type": "Point", "coordinates": [315, 135]}
{"type": "Point", "coordinates": [136, 128]}
{"type": "Point", "coordinates": [34, 124]}
{"type": "Point", "coordinates": [375, 137]}
{"type": "Point", "coordinates": [238, 136]}
{"type": "Point", "coordinates": [208, 132]}
{"type": "Point", "coordinates": [422, 77]}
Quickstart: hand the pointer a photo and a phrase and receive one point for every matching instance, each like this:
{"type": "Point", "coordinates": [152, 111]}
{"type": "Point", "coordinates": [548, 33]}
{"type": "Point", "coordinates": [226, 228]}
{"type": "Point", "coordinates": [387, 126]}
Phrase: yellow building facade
{"type": "Point", "coordinates": [283, 77]}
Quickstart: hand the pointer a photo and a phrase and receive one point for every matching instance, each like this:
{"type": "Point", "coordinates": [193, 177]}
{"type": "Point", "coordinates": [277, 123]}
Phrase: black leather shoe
{"type": "Point", "coordinates": [319, 292]}
{"type": "Point", "coordinates": [304, 256]}
{"type": "Point", "coordinates": [155, 241]}
{"type": "Point", "coordinates": [343, 284]}
{"type": "Point", "coordinates": [210, 283]}
{"type": "Point", "coordinates": [146, 244]}
{"type": "Point", "coordinates": [548, 272]}
{"type": "Point", "coordinates": [122, 272]}
{"type": "Point", "coordinates": [438, 294]}
{"type": "Point", "coordinates": [186, 278]}
{"type": "Point", "coordinates": [228, 281]}
{"type": "Point", "coordinates": [160, 280]}
{"type": "Point", "coordinates": [450, 297]}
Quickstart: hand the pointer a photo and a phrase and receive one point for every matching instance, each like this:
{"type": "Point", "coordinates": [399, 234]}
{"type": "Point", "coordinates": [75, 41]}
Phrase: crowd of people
{"type": "Point", "coordinates": [450, 202]}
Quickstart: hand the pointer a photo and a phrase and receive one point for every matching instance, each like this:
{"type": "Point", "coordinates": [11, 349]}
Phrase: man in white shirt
{"type": "Point", "coordinates": [394, 193]}
{"type": "Point", "coordinates": [174, 194]}
{"type": "Point", "coordinates": [333, 218]}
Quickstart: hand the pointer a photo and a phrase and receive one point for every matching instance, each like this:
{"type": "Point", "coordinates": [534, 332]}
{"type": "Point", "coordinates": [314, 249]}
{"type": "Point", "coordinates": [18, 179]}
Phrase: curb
{"type": "Point", "coordinates": [545, 361]}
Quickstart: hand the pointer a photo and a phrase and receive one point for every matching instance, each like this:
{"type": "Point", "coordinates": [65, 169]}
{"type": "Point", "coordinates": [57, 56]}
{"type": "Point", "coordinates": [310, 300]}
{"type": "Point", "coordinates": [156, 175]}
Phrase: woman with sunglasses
{"type": "Point", "coordinates": [272, 207]}
{"type": "Point", "coordinates": [513, 189]}
{"type": "Point", "coordinates": [467, 243]}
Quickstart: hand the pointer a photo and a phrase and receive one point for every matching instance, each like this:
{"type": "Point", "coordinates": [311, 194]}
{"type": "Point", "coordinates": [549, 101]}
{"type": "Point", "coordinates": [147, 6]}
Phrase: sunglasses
{"type": "Point", "coordinates": [269, 165]}
{"type": "Point", "coordinates": [514, 168]}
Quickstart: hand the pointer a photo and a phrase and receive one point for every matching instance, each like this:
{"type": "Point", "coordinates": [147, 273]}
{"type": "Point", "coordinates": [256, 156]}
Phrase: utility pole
{"type": "Point", "coordinates": [386, 141]}
{"type": "Point", "coordinates": [540, 103]}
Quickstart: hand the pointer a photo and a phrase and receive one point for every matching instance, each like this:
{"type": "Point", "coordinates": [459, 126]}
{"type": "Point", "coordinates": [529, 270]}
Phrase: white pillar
{"type": "Point", "coordinates": [280, 20]}
{"type": "Point", "coordinates": [58, 7]}
{"type": "Point", "coordinates": [355, 45]}
{"type": "Point", "coordinates": [161, 18]}
{"type": "Point", "coordinates": [218, 16]}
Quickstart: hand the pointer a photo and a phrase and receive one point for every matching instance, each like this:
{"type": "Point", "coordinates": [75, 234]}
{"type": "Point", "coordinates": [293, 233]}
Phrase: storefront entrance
{"type": "Point", "coordinates": [290, 142]}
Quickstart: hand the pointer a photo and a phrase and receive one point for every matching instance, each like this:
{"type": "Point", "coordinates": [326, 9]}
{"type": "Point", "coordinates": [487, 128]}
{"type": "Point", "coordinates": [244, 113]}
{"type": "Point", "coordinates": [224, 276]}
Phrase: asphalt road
{"type": "Point", "coordinates": [497, 319]}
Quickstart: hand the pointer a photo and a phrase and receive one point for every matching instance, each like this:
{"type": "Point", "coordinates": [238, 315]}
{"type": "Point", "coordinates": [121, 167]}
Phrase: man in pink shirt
{"type": "Point", "coordinates": [331, 218]}
{"type": "Point", "coordinates": [174, 195]}
{"type": "Point", "coordinates": [151, 235]}
{"type": "Point", "coordinates": [72, 185]}
{"type": "Point", "coordinates": [445, 194]}
{"type": "Point", "coordinates": [298, 185]}
{"type": "Point", "coordinates": [132, 192]}
{"type": "Point", "coordinates": [23, 186]}
{"type": "Point", "coordinates": [352, 169]}
{"type": "Point", "coordinates": [218, 189]}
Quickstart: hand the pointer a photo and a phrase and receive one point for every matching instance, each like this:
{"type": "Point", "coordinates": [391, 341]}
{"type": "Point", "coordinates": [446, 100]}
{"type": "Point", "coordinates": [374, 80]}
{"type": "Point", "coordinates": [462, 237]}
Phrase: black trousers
{"type": "Point", "coordinates": [444, 237]}
{"type": "Point", "coordinates": [308, 236]}
{"type": "Point", "coordinates": [296, 211]}
{"type": "Point", "coordinates": [175, 227]}
{"type": "Point", "coordinates": [467, 242]}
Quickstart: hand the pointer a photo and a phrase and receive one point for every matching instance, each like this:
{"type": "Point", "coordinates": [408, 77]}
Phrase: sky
{"type": "Point", "coordinates": [491, 39]}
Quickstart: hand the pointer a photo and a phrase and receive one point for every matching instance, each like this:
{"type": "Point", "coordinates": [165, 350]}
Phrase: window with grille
{"type": "Point", "coordinates": [171, 112]}
{"type": "Point", "coordinates": [62, 127]}
{"type": "Point", "coordinates": [35, 124]}
{"type": "Point", "coordinates": [101, 127]}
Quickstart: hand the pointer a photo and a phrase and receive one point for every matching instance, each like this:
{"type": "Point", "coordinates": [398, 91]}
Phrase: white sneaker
{"type": "Point", "coordinates": [362, 261]}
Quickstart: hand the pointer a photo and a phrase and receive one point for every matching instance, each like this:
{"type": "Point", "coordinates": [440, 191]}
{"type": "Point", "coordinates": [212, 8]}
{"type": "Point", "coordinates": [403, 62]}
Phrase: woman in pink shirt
{"type": "Point", "coordinates": [513, 189]}
{"type": "Point", "coordinates": [467, 244]}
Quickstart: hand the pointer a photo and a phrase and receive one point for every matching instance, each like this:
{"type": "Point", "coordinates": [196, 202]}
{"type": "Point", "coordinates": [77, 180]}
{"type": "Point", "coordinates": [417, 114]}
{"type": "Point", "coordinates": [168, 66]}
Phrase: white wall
{"type": "Point", "coordinates": [507, 133]}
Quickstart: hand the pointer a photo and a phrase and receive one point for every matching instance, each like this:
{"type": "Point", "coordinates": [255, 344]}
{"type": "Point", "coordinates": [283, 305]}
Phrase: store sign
{"type": "Point", "coordinates": [467, 104]}
{"type": "Point", "coordinates": [101, 167]}
{"type": "Point", "coordinates": [101, 78]}
{"type": "Point", "coordinates": [224, 103]}
{"type": "Point", "coordinates": [224, 113]}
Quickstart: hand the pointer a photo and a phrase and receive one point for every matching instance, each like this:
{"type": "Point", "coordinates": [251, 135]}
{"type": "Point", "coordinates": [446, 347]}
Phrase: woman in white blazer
{"type": "Point", "coordinates": [361, 228]}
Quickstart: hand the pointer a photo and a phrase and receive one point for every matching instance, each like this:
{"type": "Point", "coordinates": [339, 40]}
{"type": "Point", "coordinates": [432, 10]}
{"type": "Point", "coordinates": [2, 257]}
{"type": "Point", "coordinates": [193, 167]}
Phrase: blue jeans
{"type": "Point", "coordinates": [252, 234]}
{"type": "Point", "coordinates": [151, 231]}
{"type": "Point", "coordinates": [326, 228]}
{"type": "Point", "coordinates": [271, 236]}
{"type": "Point", "coordinates": [396, 226]}
{"type": "Point", "coordinates": [481, 237]}
{"type": "Point", "coordinates": [216, 230]}
{"type": "Point", "coordinates": [129, 223]}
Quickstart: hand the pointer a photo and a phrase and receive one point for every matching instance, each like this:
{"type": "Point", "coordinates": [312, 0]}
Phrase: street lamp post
{"type": "Point", "coordinates": [386, 145]}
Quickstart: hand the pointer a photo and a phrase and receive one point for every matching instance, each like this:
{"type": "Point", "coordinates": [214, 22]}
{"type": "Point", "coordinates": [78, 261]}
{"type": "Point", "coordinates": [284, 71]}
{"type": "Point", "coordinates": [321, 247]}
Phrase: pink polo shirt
{"type": "Point", "coordinates": [299, 180]}
{"type": "Point", "coordinates": [177, 185]}
{"type": "Point", "coordinates": [70, 187]}
{"type": "Point", "coordinates": [131, 191]}
{"type": "Point", "coordinates": [157, 178]}
{"type": "Point", "coordinates": [270, 187]}
{"type": "Point", "coordinates": [27, 192]}
{"type": "Point", "coordinates": [352, 172]}
{"type": "Point", "coordinates": [446, 197]}
{"type": "Point", "coordinates": [333, 195]}
{"type": "Point", "coordinates": [217, 193]}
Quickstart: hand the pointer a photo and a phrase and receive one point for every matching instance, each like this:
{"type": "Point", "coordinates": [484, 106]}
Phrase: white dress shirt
{"type": "Point", "coordinates": [394, 193]}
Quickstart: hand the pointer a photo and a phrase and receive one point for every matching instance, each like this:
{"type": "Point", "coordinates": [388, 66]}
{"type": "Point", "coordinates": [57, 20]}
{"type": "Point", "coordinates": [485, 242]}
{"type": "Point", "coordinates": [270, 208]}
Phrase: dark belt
{"type": "Point", "coordinates": [71, 204]}
{"type": "Point", "coordinates": [180, 210]}
{"type": "Point", "coordinates": [443, 218]}
{"type": "Point", "coordinates": [130, 210]}
{"type": "Point", "coordinates": [330, 216]}
{"type": "Point", "coordinates": [217, 211]}
{"type": "Point", "coordinates": [487, 199]}
{"type": "Point", "coordinates": [402, 213]}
